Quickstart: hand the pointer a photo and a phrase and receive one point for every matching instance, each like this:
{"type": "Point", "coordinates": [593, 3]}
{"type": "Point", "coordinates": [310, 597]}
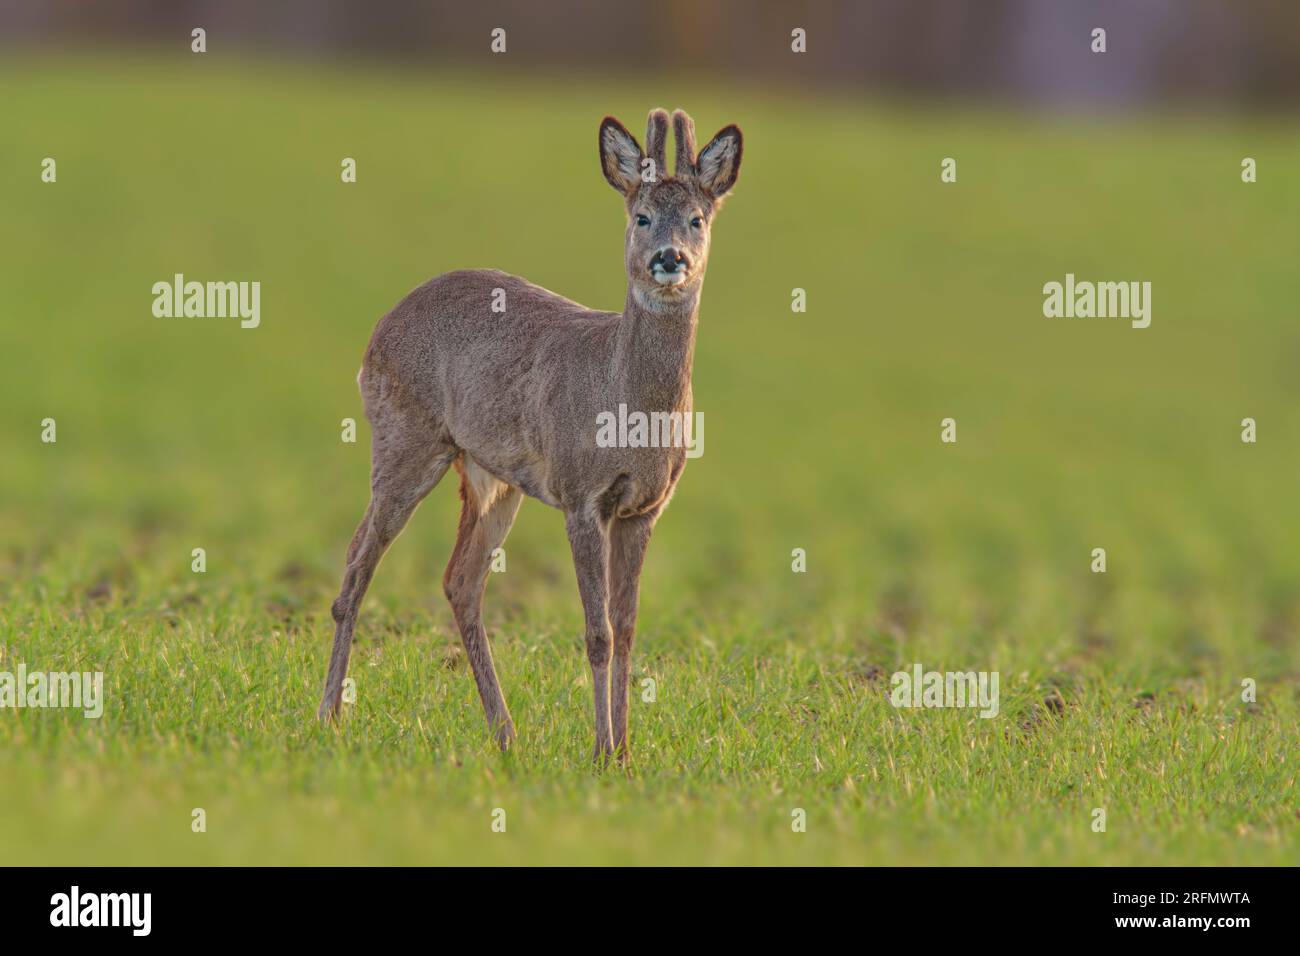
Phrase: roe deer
{"type": "Point", "coordinates": [512, 401]}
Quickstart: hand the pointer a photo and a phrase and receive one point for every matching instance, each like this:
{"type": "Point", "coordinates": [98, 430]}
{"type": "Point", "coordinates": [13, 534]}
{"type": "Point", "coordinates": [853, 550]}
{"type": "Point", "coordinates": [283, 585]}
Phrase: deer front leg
{"type": "Point", "coordinates": [589, 540]}
{"type": "Point", "coordinates": [629, 538]}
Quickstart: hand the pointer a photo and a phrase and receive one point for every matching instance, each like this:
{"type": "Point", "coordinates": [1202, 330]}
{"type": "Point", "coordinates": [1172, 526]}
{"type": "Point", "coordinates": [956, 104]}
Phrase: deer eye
{"type": "Point", "coordinates": [696, 222]}
{"type": "Point", "coordinates": [642, 220]}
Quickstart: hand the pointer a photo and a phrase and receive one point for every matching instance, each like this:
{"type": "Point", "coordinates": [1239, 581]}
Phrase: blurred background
{"type": "Point", "coordinates": [924, 301]}
{"type": "Point", "coordinates": [1242, 53]}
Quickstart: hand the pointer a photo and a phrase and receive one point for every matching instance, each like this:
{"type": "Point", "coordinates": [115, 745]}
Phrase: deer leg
{"type": "Point", "coordinates": [629, 538]}
{"type": "Point", "coordinates": [484, 525]}
{"type": "Point", "coordinates": [359, 535]}
{"type": "Point", "coordinates": [589, 541]}
{"type": "Point", "coordinates": [396, 488]}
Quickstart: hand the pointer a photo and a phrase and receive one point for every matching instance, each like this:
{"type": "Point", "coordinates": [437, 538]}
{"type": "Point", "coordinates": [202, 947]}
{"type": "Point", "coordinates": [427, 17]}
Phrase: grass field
{"type": "Point", "coordinates": [1119, 691]}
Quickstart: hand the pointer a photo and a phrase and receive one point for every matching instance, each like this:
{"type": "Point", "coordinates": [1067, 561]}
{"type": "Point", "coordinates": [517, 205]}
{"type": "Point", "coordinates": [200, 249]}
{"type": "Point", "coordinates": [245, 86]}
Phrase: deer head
{"type": "Point", "coordinates": [669, 217]}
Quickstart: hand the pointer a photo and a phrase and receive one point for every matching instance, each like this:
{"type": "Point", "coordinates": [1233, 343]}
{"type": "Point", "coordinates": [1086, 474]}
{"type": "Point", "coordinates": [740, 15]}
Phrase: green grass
{"type": "Point", "coordinates": [1119, 691]}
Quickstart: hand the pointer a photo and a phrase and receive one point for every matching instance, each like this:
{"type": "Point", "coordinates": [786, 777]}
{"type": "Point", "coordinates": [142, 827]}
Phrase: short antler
{"type": "Point", "coordinates": [656, 141]}
{"type": "Point", "coordinates": [684, 133]}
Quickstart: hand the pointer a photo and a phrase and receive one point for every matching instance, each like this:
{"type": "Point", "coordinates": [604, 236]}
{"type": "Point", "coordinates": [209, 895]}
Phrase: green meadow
{"type": "Point", "coordinates": [1120, 691]}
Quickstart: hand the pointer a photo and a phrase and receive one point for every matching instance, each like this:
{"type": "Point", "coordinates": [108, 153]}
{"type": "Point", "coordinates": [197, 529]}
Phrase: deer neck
{"type": "Point", "coordinates": [654, 351]}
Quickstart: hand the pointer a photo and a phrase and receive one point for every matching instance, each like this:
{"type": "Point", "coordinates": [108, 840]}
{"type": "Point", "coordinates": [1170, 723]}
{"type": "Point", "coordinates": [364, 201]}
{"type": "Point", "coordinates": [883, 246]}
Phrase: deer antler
{"type": "Point", "coordinates": [656, 140]}
{"type": "Point", "coordinates": [684, 133]}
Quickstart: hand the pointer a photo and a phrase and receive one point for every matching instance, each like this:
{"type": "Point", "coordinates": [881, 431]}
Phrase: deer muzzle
{"type": "Point", "coordinates": [669, 266]}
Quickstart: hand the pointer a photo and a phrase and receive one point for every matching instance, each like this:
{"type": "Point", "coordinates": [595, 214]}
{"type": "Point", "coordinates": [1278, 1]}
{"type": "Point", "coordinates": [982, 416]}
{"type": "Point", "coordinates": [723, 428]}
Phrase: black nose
{"type": "Point", "coordinates": [670, 260]}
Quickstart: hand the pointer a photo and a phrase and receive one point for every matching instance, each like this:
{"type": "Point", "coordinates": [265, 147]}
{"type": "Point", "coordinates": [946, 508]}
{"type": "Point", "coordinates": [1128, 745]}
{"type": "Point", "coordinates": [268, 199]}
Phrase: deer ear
{"type": "Point", "coordinates": [620, 156]}
{"type": "Point", "coordinates": [719, 162]}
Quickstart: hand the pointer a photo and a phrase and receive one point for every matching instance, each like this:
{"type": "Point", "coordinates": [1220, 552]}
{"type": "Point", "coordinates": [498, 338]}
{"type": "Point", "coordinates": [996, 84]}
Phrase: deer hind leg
{"type": "Point", "coordinates": [488, 510]}
{"type": "Point", "coordinates": [629, 538]}
{"type": "Point", "coordinates": [402, 473]}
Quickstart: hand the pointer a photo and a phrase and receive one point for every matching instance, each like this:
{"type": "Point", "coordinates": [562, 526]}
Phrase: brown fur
{"type": "Point", "coordinates": [511, 400]}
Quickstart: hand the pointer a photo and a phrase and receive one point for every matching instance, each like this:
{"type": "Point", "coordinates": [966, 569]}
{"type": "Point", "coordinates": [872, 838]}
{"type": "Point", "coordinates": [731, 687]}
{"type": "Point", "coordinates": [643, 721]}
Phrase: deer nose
{"type": "Point", "coordinates": [670, 260]}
